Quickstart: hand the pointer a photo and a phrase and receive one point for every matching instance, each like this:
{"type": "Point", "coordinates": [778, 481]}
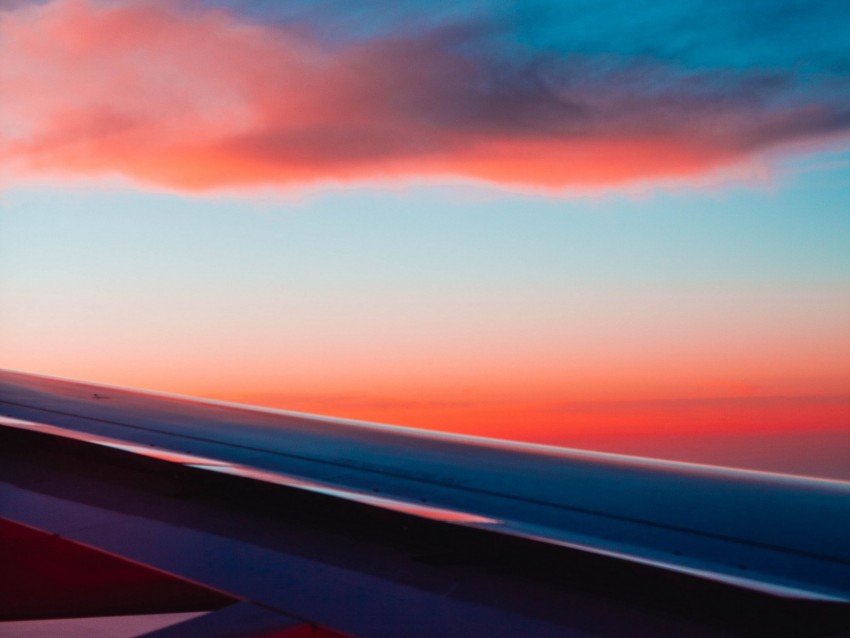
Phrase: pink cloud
{"type": "Point", "coordinates": [189, 98]}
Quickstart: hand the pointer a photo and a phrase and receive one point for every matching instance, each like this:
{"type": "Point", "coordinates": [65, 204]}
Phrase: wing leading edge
{"type": "Point", "coordinates": [784, 535]}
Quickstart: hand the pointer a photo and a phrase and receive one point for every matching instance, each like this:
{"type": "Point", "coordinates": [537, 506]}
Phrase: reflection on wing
{"type": "Point", "coordinates": [784, 535]}
{"type": "Point", "coordinates": [732, 525]}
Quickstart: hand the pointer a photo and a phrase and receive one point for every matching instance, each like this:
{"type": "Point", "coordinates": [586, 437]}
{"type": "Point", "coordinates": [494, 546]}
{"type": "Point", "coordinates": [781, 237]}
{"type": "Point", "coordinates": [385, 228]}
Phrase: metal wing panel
{"type": "Point", "coordinates": [787, 535]}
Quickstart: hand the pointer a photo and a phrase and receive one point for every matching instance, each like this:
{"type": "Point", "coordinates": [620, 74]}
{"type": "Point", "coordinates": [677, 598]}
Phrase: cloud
{"type": "Point", "coordinates": [194, 97]}
{"type": "Point", "coordinates": [8, 5]}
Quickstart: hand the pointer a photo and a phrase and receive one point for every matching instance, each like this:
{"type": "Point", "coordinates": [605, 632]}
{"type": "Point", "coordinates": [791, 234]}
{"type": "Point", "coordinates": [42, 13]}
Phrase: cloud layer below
{"type": "Point", "coordinates": [190, 97]}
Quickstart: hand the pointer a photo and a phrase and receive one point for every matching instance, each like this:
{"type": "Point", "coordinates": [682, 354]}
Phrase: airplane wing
{"type": "Point", "coordinates": [284, 522]}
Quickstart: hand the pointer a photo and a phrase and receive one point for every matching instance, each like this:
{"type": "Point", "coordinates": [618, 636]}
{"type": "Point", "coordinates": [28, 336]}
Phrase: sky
{"type": "Point", "coordinates": [569, 222]}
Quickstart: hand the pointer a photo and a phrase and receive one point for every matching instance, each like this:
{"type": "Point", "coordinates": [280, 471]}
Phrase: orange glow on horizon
{"type": "Point", "coordinates": [542, 422]}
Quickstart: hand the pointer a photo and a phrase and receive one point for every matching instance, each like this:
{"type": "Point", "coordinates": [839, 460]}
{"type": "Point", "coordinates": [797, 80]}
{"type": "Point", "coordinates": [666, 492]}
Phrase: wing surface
{"type": "Point", "coordinates": [785, 535]}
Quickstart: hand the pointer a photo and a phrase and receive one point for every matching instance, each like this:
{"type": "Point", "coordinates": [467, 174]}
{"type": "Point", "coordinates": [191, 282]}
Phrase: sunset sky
{"type": "Point", "coordinates": [571, 222]}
